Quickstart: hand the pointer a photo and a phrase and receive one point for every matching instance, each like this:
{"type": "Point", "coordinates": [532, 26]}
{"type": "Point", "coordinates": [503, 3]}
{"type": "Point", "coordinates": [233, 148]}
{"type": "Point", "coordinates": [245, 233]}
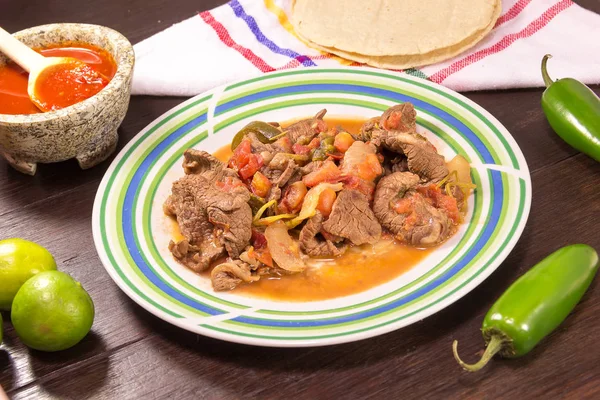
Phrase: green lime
{"type": "Point", "coordinates": [52, 312]}
{"type": "Point", "coordinates": [20, 260]}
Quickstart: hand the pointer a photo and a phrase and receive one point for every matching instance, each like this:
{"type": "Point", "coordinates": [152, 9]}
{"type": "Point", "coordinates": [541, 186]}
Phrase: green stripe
{"type": "Point", "coordinates": [465, 121]}
{"type": "Point", "coordinates": [478, 200]}
{"type": "Point", "coordinates": [456, 97]}
{"type": "Point", "coordinates": [149, 200]}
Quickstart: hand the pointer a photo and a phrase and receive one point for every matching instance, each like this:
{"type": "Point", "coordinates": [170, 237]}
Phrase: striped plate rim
{"type": "Point", "coordinates": [130, 191]}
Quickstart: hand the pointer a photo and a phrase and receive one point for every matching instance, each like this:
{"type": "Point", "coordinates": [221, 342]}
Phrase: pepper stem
{"type": "Point", "coordinates": [547, 80]}
{"type": "Point", "coordinates": [494, 346]}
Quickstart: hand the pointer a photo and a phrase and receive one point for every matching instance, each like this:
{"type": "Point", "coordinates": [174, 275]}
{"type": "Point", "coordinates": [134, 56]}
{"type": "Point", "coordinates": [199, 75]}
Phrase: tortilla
{"type": "Point", "coordinates": [414, 60]}
{"type": "Point", "coordinates": [385, 28]}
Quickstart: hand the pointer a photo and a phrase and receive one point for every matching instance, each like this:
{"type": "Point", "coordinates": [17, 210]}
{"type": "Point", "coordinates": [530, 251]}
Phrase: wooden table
{"type": "Point", "coordinates": [132, 354]}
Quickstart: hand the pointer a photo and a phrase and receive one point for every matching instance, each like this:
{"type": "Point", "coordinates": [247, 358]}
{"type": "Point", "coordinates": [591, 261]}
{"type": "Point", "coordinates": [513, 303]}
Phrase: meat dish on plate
{"type": "Point", "coordinates": [313, 190]}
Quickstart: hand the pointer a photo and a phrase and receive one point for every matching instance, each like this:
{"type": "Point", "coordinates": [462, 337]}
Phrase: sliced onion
{"type": "Point", "coordinates": [284, 250]}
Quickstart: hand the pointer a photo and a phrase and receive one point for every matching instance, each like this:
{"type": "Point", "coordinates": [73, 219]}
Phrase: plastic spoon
{"type": "Point", "coordinates": [40, 67]}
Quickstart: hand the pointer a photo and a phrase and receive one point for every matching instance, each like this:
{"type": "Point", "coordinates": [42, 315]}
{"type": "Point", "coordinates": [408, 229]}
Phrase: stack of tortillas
{"type": "Point", "coordinates": [394, 34]}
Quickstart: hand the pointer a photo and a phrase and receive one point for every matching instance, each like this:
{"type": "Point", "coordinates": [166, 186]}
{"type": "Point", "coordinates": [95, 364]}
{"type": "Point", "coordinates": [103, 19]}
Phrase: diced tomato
{"type": "Point", "coordinates": [258, 240]}
{"type": "Point", "coordinates": [370, 168]}
{"type": "Point", "coordinates": [394, 121]}
{"type": "Point", "coordinates": [263, 255]}
{"type": "Point", "coordinates": [305, 150]}
{"type": "Point", "coordinates": [329, 172]}
{"type": "Point", "coordinates": [284, 143]}
{"type": "Point", "coordinates": [240, 155]}
{"type": "Point", "coordinates": [343, 141]}
{"type": "Point", "coordinates": [326, 200]}
{"type": "Point", "coordinates": [300, 149]}
{"type": "Point", "coordinates": [439, 200]}
{"type": "Point", "coordinates": [293, 198]}
{"type": "Point", "coordinates": [316, 142]}
{"type": "Point", "coordinates": [365, 187]}
{"type": "Point", "coordinates": [261, 185]}
{"type": "Point", "coordinates": [244, 162]}
{"type": "Point", "coordinates": [403, 206]}
{"type": "Point", "coordinates": [228, 184]}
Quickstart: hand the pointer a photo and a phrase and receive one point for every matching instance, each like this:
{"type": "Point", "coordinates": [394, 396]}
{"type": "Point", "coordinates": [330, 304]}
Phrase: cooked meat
{"type": "Point", "coordinates": [421, 224]}
{"type": "Point", "coordinates": [387, 178]}
{"type": "Point", "coordinates": [311, 245]}
{"type": "Point", "coordinates": [400, 118]}
{"type": "Point", "coordinates": [266, 151]}
{"type": "Point", "coordinates": [233, 218]}
{"type": "Point", "coordinates": [229, 275]}
{"type": "Point", "coordinates": [311, 166]}
{"type": "Point", "coordinates": [201, 162]}
{"type": "Point", "coordinates": [210, 220]}
{"type": "Point", "coordinates": [352, 218]}
{"type": "Point", "coordinates": [396, 130]}
{"type": "Point", "coordinates": [190, 211]}
{"type": "Point", "coordinates": [304, 131]}
{"type": "Point", "coordinates": [290, 169]}
{"type": "Point", "coordinates": [423, 159]}
{"type": "Point", "coordinates": [279, 161]}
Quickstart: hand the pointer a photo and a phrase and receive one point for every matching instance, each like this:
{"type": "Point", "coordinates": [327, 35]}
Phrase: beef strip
{"type": "Point", "coordinates": [211, 221]}
{"type": "Point", "coordinates": [425, 226]}
{"type": "Point", "coordinates": [285, 176]}
{"type": "Point", "coordinates": [304, 131]}
{"type": "Point", "coordinates": [201, 162]}
{"type": "Point", "coordinates": [423, 159]}
{"type": "Point", "coordinates": [352, 218]}
{"type": "Point", "coordinates": [396, 130]}
{"type": "Point", "coordinates": [231, 215]}
{"type": "Point", "coordinates": [229, 275]}
{"type": "Point", "coordinates": [190, 211]}
{"type": "Point", "coordinates": [311, 245]}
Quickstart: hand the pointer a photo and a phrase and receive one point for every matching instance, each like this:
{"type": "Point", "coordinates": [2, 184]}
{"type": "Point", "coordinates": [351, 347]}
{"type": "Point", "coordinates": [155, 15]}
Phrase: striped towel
{"type": "Point", "coordinates": [245, 38]}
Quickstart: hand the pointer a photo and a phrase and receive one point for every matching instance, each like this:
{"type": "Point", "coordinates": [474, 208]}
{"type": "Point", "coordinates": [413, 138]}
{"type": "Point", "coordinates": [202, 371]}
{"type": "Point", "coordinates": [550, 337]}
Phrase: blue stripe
{"type": "Point", "coordinates": [362, 90]}
{"type": "Point", "coordinates": [265, 41]}
{"type": "Point", "coordinates": [497, 191]}
{"type": "Point", "coordinates": [128, 211]}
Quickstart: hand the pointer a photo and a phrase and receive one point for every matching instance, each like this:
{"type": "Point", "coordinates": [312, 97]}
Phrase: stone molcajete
{"type": "Point", "coordinates": [86, 131]}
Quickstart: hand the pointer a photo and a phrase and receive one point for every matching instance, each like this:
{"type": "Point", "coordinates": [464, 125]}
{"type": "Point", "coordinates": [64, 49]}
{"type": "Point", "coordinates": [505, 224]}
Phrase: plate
{"type": "Point", "coordinates": [131, 232]}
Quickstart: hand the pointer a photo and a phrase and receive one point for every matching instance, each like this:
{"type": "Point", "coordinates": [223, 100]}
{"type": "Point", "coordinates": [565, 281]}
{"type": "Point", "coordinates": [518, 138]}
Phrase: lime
{"type": "Point", "coordinates": [52, 312]}
{"type": "Point", "coordinates": [20, 260]}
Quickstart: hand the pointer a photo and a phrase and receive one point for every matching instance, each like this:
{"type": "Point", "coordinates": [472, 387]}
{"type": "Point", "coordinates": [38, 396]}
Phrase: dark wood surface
{"type": "Point", "coordinates": [132, 354]}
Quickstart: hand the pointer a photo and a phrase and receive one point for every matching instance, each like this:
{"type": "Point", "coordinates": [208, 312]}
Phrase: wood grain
{"type": "Point", "coordinates": [132, 354]}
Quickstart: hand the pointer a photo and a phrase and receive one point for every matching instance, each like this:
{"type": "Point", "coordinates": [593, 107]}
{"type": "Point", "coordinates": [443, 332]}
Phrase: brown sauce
{"type": "Point", "coordinates": [359, 269]}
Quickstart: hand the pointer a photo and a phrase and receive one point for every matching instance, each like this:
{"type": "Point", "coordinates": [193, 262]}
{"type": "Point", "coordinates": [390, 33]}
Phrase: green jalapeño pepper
{"type": "Point", "coordinates": [536, 303]}
{"type": "Point", "coordinates": [265, 133]}
{"type": "Point", "coordinates": [573, 111]}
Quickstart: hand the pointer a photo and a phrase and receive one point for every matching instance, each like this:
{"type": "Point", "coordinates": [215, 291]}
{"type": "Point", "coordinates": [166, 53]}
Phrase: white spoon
{"type": "Point", "coordinates": [34, 63]}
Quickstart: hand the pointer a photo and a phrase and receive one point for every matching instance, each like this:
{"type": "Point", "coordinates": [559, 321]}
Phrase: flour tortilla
{"type": "Point", "coordinates": [413, 60]}
{"type": "Point", "coordinates": [385, 28]}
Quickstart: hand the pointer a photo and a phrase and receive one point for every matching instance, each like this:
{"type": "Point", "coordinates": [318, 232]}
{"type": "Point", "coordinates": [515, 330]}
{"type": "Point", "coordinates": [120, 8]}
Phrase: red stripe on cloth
{"type": "Point", "coordinates": [513, 12]}
{"type": "Point", "coordinates": [291, 64]}
{"type": "Point", "coordinates": [505, 42]}
{"type": "Point", "coordinates": [224, 36]}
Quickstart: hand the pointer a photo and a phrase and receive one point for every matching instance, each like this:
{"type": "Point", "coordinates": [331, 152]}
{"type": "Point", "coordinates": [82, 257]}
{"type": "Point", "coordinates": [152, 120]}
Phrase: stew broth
{"type": "Point", "coordinates": [359, 269]}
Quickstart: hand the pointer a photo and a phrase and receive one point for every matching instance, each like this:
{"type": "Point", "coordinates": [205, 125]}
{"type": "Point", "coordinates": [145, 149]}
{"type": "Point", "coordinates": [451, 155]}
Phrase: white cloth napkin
{"type": "Point", "coordinates": [245, 38]}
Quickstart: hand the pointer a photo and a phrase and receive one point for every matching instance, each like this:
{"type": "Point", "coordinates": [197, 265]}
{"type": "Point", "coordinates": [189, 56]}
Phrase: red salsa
{"type": "Point", "coordinates": [58, 87]}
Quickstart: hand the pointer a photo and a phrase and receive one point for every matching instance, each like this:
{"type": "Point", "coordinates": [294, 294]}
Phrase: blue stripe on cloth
{"type": "Point", "coordinates": [265, 41]}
